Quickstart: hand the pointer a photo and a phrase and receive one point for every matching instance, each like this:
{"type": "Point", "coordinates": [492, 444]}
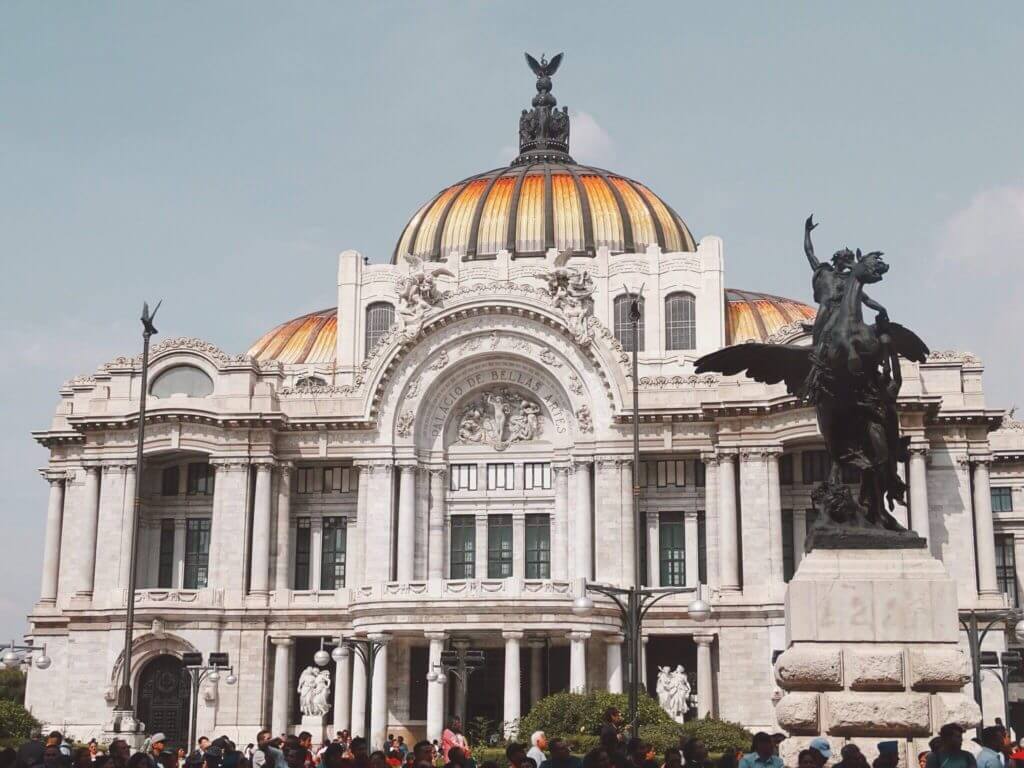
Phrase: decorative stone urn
{"type": "Point", "coordinates": [872, 652]}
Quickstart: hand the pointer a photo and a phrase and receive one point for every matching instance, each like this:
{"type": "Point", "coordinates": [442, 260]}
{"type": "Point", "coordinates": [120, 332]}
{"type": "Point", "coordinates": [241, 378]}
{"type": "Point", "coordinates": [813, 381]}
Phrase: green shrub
{"type": "Point", "coordinates": [16, 722]}
{"type": "Point", "coordinates": [12, 685]}
{"type": "Point", "coordinates": [718, 735]}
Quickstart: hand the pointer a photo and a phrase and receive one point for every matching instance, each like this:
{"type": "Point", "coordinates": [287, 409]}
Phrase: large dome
{"type": "Point", "coordinates": [538, 204]}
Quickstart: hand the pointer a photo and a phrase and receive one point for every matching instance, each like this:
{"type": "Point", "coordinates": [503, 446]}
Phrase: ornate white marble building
{"type": "Point", "coordinates": [443, 456]}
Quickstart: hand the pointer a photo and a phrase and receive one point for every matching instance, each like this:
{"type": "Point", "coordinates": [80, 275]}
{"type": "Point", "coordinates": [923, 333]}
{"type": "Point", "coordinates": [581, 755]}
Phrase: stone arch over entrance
{"type": "Point", "coordinates": [163, 699]}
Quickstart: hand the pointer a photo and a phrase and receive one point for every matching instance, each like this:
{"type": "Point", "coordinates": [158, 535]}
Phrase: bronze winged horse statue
{"type": "Point", "coordinates": [851, 375]}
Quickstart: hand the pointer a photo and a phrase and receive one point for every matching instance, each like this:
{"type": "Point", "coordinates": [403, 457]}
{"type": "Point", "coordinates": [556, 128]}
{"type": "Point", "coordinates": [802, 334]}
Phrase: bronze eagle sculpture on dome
{"type": "Point", "coordinates": [851, 374]}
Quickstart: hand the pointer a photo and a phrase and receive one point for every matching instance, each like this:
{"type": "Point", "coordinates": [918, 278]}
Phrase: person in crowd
{"type": "Point", "coordinates": [922, 759]}
{"type": "Point", "coordinates": [673, 758]}
{"type": "Point", "coordinates": [360, 752]}
{"type": "Point", "coordinates": [762, 754]}
{"type": "Point", "coordinates": [394, 758]}
{"type": "Point", "coordinates": [306, 742]}
{"type": "Point", "coordinates": [850, 756]}
{"type": "Point", "coordinates": [180, 757]}
{"type": "Point", "coordinates": [199, 753]}
{"type": "Point", "coordinates": [950, 752]}
{"type": "Point", "coordinates": [378, 759]}
{"type": "Point", "coordinates": [30, 754]}
{"type": "Point", "coordinates": [992, 741]}
{"type": "Point", "coordinates": [452, 737]}
{"type": "Point", "coordinates": [53, 757]}
{"type": "Point", "coordinates": [888, 755]}
{"type": "Point", "coordinates": [266, 754]}
{"type": "Point", "coordinates": [808, 758]}
{"type": "Point", "coordinates": [695, 754]}
{"type": "Point", "coordinates": [612, 728]}
{"type": "Point", "coordinates": [56, 737]}
{"type": "Point", "coordinates": [401, 746]}
{"type": "Point", "coordinates": [94, 750]}
{"type": "Point", "coordinates": [294, 753]}
{"type": "Point", "coordinates": [157, 744]}
{"type": "Point", "coordinates": [424, 752]}
{"type": "Point", "coordinates": [81, 758]}
{"type": "Point", "coordinates": [457, 758]}
{"type": "Point", "coordinates": [638, 754]}
{"type": "Point", "coordinates": [119, 753]}
{"type": "Point", "coordinates": [538, 743]}
{"type": "Point", "coordinates": [561, 756]}
{"type": "Point", "coordinates": [728, 759]}
{"type": "Point", "coordinates": [333, 756]}
{"type": "Point", "coordinates": [410, 760]}
{"type": "Point", "coordinates": [515, 753]}
{"type": "Point", "coordinates": [822, 749]}
{"type": "Point", "coordinates": [611, 743]}
{"type": "Point", "coordinates": [777, 739]}
{"type": "Point", "coordinates": [598, 758]}
{"type": "Point", "coordinates": [8, 757]}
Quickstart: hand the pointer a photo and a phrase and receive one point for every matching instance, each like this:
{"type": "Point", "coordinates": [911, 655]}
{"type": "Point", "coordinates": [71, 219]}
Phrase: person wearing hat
{"type": "Point", "coordinates": [991, 741]}
{"type": "Point", "coordinates": [763, 754]}
{"type": "Point", "coordinates": [888, 755]}
{"type": "Point", "coordinates": [157, 742]}
{"type": "Point", "coordinates": [951, 753]}
{"type": "Point", "coordinates": [850, 756]}
{"type": "Point", "coordinates": [822, 748]}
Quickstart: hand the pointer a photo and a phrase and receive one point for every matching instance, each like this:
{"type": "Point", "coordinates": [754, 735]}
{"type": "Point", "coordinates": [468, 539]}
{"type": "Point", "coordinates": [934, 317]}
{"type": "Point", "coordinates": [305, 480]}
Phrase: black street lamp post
{"type": "Point", "coordinates": [198, 672]}
{"type": "Point", "coordinates": [1001, 665]}
{"type": "Point", "coordinates": [367, 649]}
{"type": "Point", "coordinates": [459, 662]}
{"type": "Point", "coordinates": [124, 715]}
{"type": "Point", "coordinates": [976, 625]}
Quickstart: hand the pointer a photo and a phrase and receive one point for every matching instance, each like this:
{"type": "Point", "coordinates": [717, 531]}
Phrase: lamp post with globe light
{"type": "Point", "coordinates": [366, 648]}
{"type": "Point", "coordinates": [976, 625]}
{"type": "Point", "coordinates": [633, 604]}
{"type": "Point", "coordinates": [15, 655]}
{"type": "Point", "coordinates": [197, 673]}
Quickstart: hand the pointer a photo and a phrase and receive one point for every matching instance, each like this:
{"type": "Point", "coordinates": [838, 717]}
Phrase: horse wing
{"type": "Point", "coordinates": [767, 363]}
{"type": "Point", "coordinates": [907, 343]}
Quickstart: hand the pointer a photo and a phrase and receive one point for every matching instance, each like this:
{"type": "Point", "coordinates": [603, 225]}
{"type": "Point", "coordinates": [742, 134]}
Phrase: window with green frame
{"type": "Point", "coordinates": [332, 551]}
{"type": "Point", "coordinates": [1002, 500]}
{"type": "Point", "coordinates": [197, 553]}
{"type": "Point", "coordinates": [303, 546]}
{"type": "Point", "coordinates": [499, 546]}
{"type": "Point", "coordinates": [1006, 569]}
{"type": "Point", "coordinates": [463, 547]}
{"type": "Point", "coordinates": [672, 557]}
{"type": "Point", "coordinates": [165, 570]}
{"type": "Point", "coordinates": [538, 547]}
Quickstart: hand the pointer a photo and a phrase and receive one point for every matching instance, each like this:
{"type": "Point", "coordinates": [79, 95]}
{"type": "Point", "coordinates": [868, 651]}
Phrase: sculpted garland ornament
{"type": "Point", "coordinates": [499, 418]}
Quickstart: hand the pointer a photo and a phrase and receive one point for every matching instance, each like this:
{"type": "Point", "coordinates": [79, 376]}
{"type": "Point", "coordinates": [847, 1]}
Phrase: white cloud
{"type": "Point", "coordinates": [987, 235]}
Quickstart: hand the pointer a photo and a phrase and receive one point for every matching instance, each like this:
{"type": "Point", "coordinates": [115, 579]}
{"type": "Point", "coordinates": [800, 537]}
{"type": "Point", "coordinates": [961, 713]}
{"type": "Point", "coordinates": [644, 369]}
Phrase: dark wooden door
{"type": "Point", "coordinates": [164, 700]}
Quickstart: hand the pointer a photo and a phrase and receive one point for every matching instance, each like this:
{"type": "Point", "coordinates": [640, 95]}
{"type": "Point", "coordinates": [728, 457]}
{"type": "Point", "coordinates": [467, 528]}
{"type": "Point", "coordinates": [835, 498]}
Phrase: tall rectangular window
{"type": "Point", "coordinates": [1006, 568]}
{"type": "Point", "coordinates": [663, 473]}
{"type": "Point", "coordinates": [623, 322]}
{"type": "Point", "coordinates": [815, 465]}
{"type": "Point", "coordinates": [501, 477]}
{"type": "Point", "coordinates": [1002, 500]}
{"type": "Point", "coordinates": [788, 556]}
{"type": "Point", "coordinates": [538, 547]}
{"type": "Point", "coordinates": [169, 481]}
{"type": "Point", "coordinates": [340, 480]}
{"type": "Point", "coordinates": [462, 477]}
{"type": "Point", "coordinates": [786, 469]}
{"type": "Point", "coordinates": [673, 549]}
{"type": "Point", "coordinates": [699, 473]}
{"type": "Point", "coordinates": [200, 479]}
{"type": "Point", "coordinates": [303, 546]}
{"type": "Point", "coordinates": [702, 547]}
{"type": "Point", "coordinates": [537, 475]}
{"type": "Point", "coordinates": [197, 553]}
{"type": "Point", "coordinates": [305, 480]}
{"type": "Point", "coordinates": [463, 546]}
{"type": "Point", "coordinates": [499, 546]}
{"type": "Point", "coordinates": [332, 561]}
{"type": "Point", "coordinates": [165, 570]}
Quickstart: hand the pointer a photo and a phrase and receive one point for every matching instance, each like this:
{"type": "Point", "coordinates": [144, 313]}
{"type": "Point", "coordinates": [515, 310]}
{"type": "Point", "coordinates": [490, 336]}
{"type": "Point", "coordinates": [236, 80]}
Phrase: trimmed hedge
{"type": "Point", "coordinates": [16, 723]}
{"type": "Point", "coordinates": [718, 735]}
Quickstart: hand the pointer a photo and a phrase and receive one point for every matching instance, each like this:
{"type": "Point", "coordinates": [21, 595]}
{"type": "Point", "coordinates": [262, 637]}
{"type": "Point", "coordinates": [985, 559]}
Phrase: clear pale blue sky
{"type": "Point", "coordinates": [219, 155]}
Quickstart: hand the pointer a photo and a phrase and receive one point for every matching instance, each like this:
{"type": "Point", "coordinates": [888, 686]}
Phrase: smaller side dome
{"type": "Point", "coordinates": [311, 338]}
{"type": "Point", "coordinates": [751, 316]}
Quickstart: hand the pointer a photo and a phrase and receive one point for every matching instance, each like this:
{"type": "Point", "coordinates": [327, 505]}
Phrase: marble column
{"type": "Point", "coordinates": [583, 512]}
{"type": "Point", "coordinates": [705, 684]}
{"type": "Point", "coordinates": [283, 564]}
{"type": "Point", "coordinates": [358, 710]}
{"type": "Point", "coordinates": [435, 690]}
{"type": "Point", "coordinates": [653, 548]}
{"type": "Point", "coordinates": [728, 525]}
{"type": "Point", "coordinates": [89, 528]}
{"type": "Point", "coordinates": [799, 536]}
{"type": "Point", "coordinates": [919, 490]}
{"type": "Point", "coordinates": [536, 672]}
{"type": "Point", "coordinates": [984, 533]}
{"type": "Point", "coordinates": [629, 530]}
{"type": "Point", "coordinates": [778, 576]}
{"type": "Point", "coordinates": [343, 689]}
{"type": "Point", "coordinates": [282, 694]}
{"type": "Point", "coordinates": [51, 545]}
{"type": "Point", "coordinates": [691, 541]}
{"type": "Point", "coordinates": [519, 545]}
{"type": "Point", "coordinates": [578, 661]}
{"type": "Point", "coordinates": [711, 515]}
{"type": "Point", "coordinates": [435, 544]}
{"type": "Point", "coordinates": [559, 524]}
{"type": "Point", "coordinates": [178, 578]}
{"type": "Point", "coordinates": [613, 662]}
{"type": "Point", "coordinates": [511, 710]}
{"type": "Point", "coordinates": [131, 524]}
{"type": "Point", "coordinates": [259, 576]}
{"type": "Point", "coordinates": [379, 715]}
{"type": "Point", "coordinates": [406, 566]}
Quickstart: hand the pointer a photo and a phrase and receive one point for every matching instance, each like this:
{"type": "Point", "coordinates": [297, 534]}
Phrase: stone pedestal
{"type": "Point", "coordinates": [872, 651]}
{"type": "Point", "coordinates": [316, 725]}
{"type": "Point", "coordinates": [124, 725]}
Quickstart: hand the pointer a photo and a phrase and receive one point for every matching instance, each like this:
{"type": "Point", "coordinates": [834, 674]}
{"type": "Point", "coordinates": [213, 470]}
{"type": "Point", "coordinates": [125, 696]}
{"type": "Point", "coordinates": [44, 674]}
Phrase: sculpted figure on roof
{"type": "Point", "coordinates": [418, 293]}
{"type": "Point", "coordinates": [572, 292]}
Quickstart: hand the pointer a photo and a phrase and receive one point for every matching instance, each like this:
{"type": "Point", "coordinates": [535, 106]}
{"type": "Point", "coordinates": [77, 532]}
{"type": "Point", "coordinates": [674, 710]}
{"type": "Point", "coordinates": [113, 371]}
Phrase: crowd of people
{"type": "Point", "coordinates": [615, 750]}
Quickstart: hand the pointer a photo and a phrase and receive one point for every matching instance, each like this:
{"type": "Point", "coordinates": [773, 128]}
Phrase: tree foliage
{"type": "Point", "coordinates": [718, 735]}
{"type": "Point", "coordinates": [12, 685]}
{"type": "Point", "coordinates": [16, 722]}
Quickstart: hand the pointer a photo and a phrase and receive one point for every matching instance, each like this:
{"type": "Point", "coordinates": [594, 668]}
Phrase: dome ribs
{"type": "Point", "coordinates": [549, 210]}
{"type": "Point", "coordinates": [473, 244]}
{"type": "Point", "coordinates": [435, 250]}
{"type": "Point", "coordinates": [628, 244]}
{"type": "Point", "coordinates": [513, 212]}
{"type": "Point", "coordinates": [659, 232]}
{"type": "Point", "coordinates": [423, 213]}
{"type": "Point", "coordinates": [588, 225]}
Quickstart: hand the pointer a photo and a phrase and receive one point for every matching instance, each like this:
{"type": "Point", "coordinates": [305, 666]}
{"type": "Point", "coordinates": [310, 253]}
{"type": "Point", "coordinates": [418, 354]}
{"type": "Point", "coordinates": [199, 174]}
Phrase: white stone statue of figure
{"type": "Point", "coordinates": [418, 293]}
{"type": "Point", "coordinates": [572, 291]}
{"type": "Point", "coordinates": [314, 688]}
{"type": "Point", "coordinates": [673, 689]}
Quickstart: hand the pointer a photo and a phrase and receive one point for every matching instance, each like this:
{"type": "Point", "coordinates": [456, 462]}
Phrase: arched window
{"type": "Point", "coordinates": [380, 316]}
{"type": "Point", "coordinates": [624, 324]}
{"type": "Point", "coordinates": [308, 382]}
{"type": "Point", "coordinates": [680, 321]}
{"type": "Point", "coordinates": [182, 380]}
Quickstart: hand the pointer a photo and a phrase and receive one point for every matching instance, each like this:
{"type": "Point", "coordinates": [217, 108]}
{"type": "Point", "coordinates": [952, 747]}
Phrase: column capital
{"type": "Point", "coordinates": [54, 476]}
{"type": "Point", "coordinates": [705, 640]}
{"type": "Point", "coordinates": [284, 468]}
{"type": "Point", "coordinates": [560, 468]}
{"type": "Point", "coordinates": [264, 464]}
{"type": "Point", "coordinates": [709, 457]}
{"type": "Point", "coordinates": [614, 639]}
{"type": "Point", "coordinates": [919, 449]}
{"type": "Point", "coordinates": [580, 635]}
{"type": "Point", "coordinates": [513, 634]}
{"type": "Point", "coordinates": [726, 455]}
{"type": "Point", "coordinates": [282, 641]}
{"type": "Point", "coordinates": [409, 467]}
{"type": "Point", "coordinates": [229, 463]}
{"type": "Point", "coordinates": [756, 452]}
{"type": "Point", "coordinates": [109, 468]}
{"type": "Point", "coordinates": [378, 637]}
{"type": "Point", "coordinates": [691, 514]}
{"type": "Point", "coordinates": [981, 459]}
{"type": "Point", "coordinates": [432, 635]}
{"type": "Point", "coordinates": [581, 462]}
{"type": "Point", "coordinates": [438, 473]}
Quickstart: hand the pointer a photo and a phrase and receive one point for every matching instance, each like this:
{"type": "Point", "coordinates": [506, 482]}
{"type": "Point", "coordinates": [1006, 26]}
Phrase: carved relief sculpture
{"type": "Point", "coordinates": [675, 694]}
{"type": "Point", "coordinates": [572, 293]}
{"type": "Point", "coordinates": [499, 418]}
{"type": "Point", "coordinates": [418, 294]}
{"type": "Point", "coordinates": [314, 692]}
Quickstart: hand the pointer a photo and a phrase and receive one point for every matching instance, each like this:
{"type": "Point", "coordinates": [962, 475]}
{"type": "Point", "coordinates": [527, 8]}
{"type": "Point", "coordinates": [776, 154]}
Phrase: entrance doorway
{"type": "Point", "coordinates": [164, 700]}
